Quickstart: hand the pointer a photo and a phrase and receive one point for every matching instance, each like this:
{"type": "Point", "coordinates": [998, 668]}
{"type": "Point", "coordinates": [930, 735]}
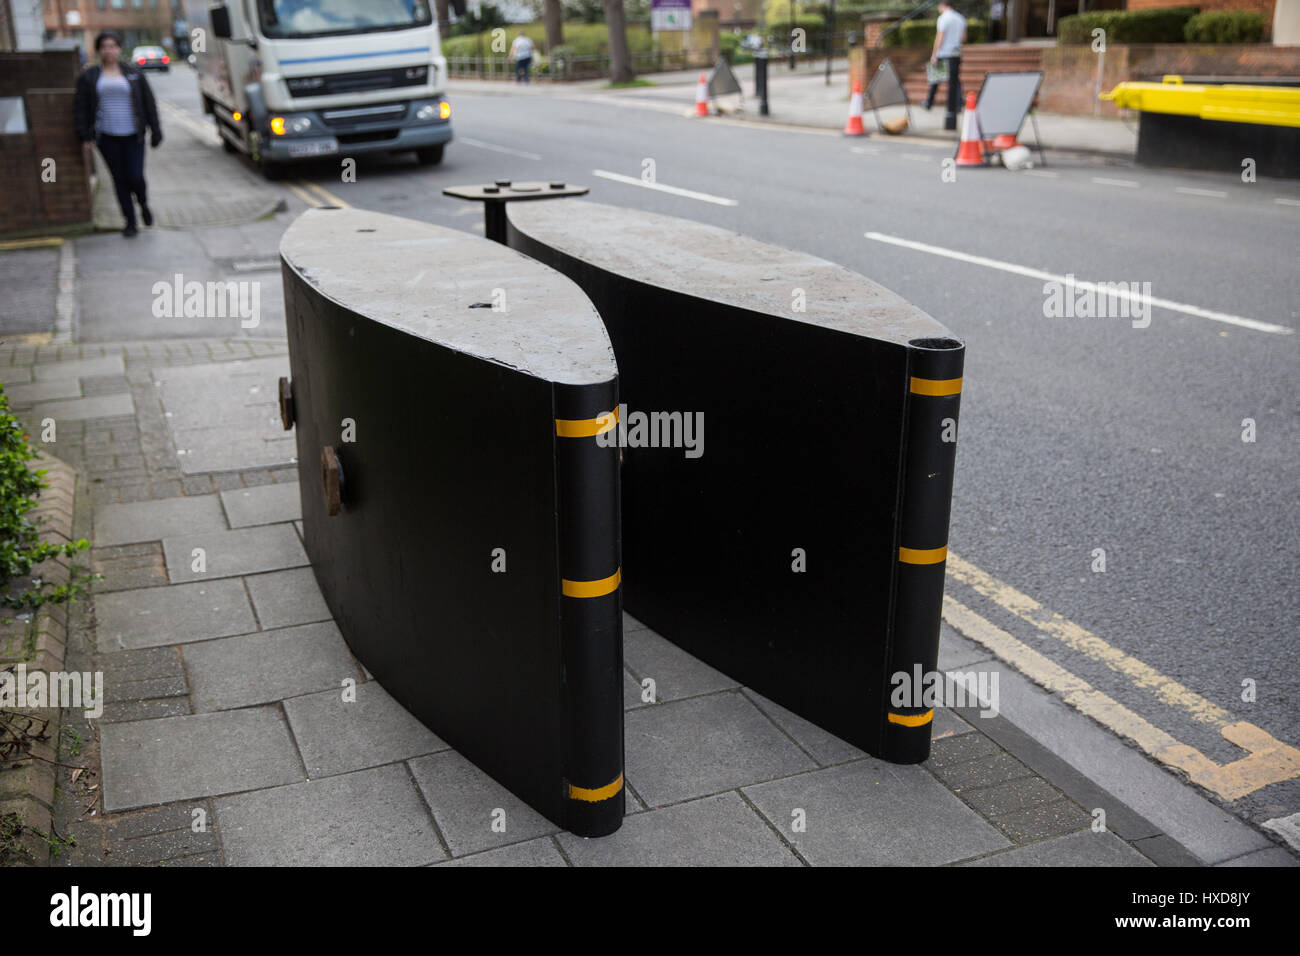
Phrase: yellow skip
{"type": "Point", "coordinates": [1229, 103]}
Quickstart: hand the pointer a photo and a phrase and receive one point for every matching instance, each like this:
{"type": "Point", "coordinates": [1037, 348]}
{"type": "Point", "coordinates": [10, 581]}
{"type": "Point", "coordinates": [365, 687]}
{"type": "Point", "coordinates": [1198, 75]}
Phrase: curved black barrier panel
{"type": "Point", "coordinates": [802, 552]}
{"type": "Point", "coordinates": [460, 515]}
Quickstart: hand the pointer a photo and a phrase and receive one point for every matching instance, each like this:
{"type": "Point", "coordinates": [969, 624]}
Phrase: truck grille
{"type": "Point", "coordinates": [363, 116]}
{"type": "Point", "coordinates": [327, 84]}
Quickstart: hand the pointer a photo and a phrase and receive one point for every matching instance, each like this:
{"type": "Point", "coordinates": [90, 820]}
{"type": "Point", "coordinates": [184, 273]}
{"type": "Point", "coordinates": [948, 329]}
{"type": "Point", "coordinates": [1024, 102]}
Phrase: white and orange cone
{"type": "Point", "coordinates": [970, 152]}
{"type": "Point", "coordinates": [854, 125]}
{"type": "Point", "coordinates": [702, 97]}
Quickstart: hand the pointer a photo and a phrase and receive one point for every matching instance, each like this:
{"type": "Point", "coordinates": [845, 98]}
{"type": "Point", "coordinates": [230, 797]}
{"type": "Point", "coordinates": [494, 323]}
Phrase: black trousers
{"type": "Point", "coordinates": [954, 92]}
{"type": "Point", "coordinates": [125, 158]}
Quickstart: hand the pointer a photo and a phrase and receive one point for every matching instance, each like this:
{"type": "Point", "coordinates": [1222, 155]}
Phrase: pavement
{"type": "Point", "coordinates": [804, 98]}
{"type": "Point", "coordinates": [226, 737]}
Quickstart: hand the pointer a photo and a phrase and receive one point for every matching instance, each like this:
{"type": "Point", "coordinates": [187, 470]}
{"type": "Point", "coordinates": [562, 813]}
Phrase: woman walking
{"type": "Point", "coordinates": [114, 108]}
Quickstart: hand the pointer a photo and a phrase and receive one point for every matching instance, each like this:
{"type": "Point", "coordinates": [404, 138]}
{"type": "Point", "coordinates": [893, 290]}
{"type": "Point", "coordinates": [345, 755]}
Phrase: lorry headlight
{"type": "Point", "coordinates": [300, 125]}
{"type": "Point", "coordinates": [429, 111]}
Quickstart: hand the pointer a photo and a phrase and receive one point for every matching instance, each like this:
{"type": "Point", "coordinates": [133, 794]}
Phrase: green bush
{"type": "Point", "coordinates": [921, 33]}
{"type": "Point", "coordinates": [1225, 26]}
{"type": "Point", "coordinates": [21, 547]}
{"type": "Point", "coordinates": [583, 39]}
{"type": "Point", "coordinates": [1163, 25]}
{"type": "Point", "coordinates": [732, 50]}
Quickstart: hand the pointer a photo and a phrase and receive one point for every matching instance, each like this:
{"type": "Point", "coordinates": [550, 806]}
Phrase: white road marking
{"type": "Point", "coordinates": [1044, 173]}
{"type": "Point", "coordinates": [479, 144]}
{"type": "Point", "coordinates": [1192, 191]}
{"type": "Point", "coordinates": [1288, 202]}
{"type": "Point", "coordinates": [1126, 183]}
{"type": "Point", "coordinates": [674, 190]}
{"type": "Point", "coordinates": [869, 150]}
{"type": "Point", "coordinates": [1137, 297]}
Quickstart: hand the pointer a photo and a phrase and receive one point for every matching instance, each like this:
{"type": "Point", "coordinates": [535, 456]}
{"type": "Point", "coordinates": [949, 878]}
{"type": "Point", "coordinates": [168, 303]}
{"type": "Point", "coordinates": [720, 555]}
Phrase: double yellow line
{"type": "Point", "coordinates": [322, 196]}
{"type": "Point", "coordinates": [1267, 761]}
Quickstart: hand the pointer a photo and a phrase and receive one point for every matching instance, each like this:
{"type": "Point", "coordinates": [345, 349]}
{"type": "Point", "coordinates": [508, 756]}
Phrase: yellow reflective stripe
{"type": "Point", "coordinates": [911, 720]}
{"type": "Point", "coordinates": [935, 386]}
{"type": "Point", "coordinates": [597, 795]}
{"type": "Point", "coordinates": [586, 427]}
{"type": "Point", "coordinates": [591, 589]}
{"type": "Point", "coordinates": [923, 555]}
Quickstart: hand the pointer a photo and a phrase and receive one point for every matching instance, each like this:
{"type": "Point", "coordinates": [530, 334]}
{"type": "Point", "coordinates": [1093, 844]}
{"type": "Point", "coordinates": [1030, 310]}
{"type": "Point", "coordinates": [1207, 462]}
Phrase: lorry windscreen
{"type": "Point", "coordinates": [313, 18]}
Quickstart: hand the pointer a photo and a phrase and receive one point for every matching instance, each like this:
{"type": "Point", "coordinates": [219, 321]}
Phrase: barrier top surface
{"type": "Point", "coordinates": [442, 285]}
{"type": "Point", "coordinates": [721, 266]}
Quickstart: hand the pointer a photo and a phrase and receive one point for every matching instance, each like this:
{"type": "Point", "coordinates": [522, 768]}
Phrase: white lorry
{"type": "Point", "coordinates": [289, 80]}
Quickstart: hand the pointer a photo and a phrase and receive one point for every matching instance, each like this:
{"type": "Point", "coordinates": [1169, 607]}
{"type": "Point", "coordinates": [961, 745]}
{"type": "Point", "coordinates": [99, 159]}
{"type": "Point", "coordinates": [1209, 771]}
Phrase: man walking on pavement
{"type": "Point", "coordinates": [521, 51]}
{"type": "Point", "coordinates": [949, 35]}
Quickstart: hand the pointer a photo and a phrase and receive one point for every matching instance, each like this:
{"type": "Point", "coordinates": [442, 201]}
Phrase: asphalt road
{"type": "Point", "coordinates": [1077, 433]}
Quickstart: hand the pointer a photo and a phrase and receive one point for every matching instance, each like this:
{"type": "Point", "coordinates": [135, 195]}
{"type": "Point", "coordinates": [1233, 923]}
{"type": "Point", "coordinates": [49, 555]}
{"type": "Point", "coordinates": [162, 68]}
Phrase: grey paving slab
{"type": "Point", "coordinates": [1205, 829]}
{"type": "Point", "coordinates": [265, 504]}
{"type": "Point", "coordinates": [1077, 849]}
{"type": "Point", "coordinates": [699, 746]}
{"type": "Point", "coordinates": [158, 519]}
{"type": "Point", "coordinates": [824, 746]}
{"type": "Point", "coordinates": [81, 368]}
{"type": "Point", "coordinates": [15, 375]}
{"type": "Point", "coordinates": [948, 724]}
{"type": "Point", "coordinates": [676, 673]}
{"type": "Point", "coordinates": [288, 597]}
{"type": "Point", "coordinates": [335, 736]}
{"type": "Point", "coordinates": [870, 813]}
{"type": "Point", "coordinates": [152, 762]}
{"type": "Point", "coordinates": [369, 818]}
{"type": "Point", "coordinates": [44, 391]}
{"type": "Point", "coordinates": [721, 830]}
{"type": "Point", "coordinates": [268, 666]}
{"type": "Point", "coordinates": [225, 415]}
{"type": "Point", "coordinates": [464, 800]}
{"type": "Point", "coordinates": [228, 553]}
{"type": "Point", "coordinates": [956, 651]}
{"type": "Point", "coordinates": [539, 852]}
{"type": "Point", "coordinates": [1273, 856]}
{"type": "Point", "coordinates": [77, 409]}
{"type": "Point", "coordinates": [177, 614]}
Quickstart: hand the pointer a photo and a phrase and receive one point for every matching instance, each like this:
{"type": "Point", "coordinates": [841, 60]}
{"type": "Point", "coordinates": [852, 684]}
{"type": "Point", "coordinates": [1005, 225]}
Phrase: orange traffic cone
{"type": "Point", "coordinates": [969, 153]}
{"type": "Point", "coordinates": [1005, 141]}
{"type": "Point", "coordinates": [854, 125]}
{"type": "Point", "coordinates": [702, 97]}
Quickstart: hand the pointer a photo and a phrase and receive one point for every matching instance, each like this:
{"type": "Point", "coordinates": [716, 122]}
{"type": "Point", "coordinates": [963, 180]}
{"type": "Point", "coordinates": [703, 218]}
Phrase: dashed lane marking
{"type": "Point", "coordinates": [660, 187]}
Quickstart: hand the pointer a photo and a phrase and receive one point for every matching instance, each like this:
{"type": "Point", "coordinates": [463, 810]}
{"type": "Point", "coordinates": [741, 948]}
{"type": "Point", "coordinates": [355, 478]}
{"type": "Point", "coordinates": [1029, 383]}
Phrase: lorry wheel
{"type": "Point", "coordinates": [430, 156]}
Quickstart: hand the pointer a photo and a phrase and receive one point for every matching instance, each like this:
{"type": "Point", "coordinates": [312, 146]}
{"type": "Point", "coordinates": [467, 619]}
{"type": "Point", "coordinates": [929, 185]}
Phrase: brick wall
{"type": "Point", "coordinates": [1069, 72]}
{"type": "Point", "coordinates": [27, 203]}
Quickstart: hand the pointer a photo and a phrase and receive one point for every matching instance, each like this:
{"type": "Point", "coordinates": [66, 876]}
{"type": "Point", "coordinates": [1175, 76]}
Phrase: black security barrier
{"type": "Point", "coordinates": [802, 550]}
{"type": "Point", "coordinates": [460, 515]}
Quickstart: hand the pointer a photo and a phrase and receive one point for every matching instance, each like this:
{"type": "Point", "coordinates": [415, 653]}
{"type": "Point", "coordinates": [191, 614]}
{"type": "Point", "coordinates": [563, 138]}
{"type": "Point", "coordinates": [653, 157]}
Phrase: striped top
{"type": "Point", "coordinates": [116, 113]}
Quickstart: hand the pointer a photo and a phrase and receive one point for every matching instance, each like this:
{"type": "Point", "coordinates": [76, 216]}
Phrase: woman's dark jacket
{"type": "Point", "coordinates": [87, 103]}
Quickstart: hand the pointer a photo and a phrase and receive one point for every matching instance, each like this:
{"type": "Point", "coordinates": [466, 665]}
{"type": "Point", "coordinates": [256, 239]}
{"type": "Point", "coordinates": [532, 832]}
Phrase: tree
{"type": "Point", "coordinates": [553, 15]}
{"type": "Point", "coordinates": [620, 60]}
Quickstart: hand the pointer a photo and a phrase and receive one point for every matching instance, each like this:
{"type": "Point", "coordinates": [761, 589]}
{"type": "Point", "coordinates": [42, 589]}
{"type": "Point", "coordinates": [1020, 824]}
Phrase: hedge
{"type": "Point", "coordinates": [921, 33]}
{"type": "Point", "coordinates": [1164, 25]}
{"type": "Point", "coordinates": [1225, 26]}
